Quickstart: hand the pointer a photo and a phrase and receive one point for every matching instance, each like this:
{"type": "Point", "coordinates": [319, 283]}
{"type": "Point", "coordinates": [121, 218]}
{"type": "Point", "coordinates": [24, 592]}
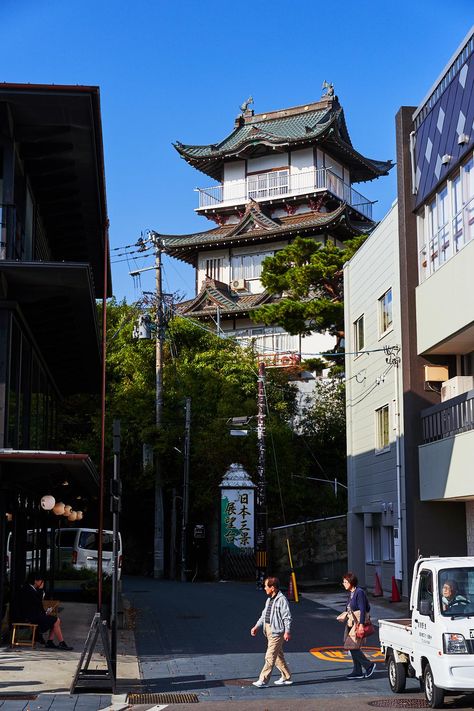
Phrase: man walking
{"type": "Point", "coordinates": [276, 622]}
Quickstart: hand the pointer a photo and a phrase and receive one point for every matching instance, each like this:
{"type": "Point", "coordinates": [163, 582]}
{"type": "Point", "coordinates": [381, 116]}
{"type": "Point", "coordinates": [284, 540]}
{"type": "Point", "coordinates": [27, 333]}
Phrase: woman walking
{"type": "Point", "coordinates": [357, 609]}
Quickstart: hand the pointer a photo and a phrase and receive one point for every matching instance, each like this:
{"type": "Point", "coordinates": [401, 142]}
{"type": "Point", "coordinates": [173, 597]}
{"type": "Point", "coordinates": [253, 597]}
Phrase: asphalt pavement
{"type": "Point", "coordinates": [193, 644]}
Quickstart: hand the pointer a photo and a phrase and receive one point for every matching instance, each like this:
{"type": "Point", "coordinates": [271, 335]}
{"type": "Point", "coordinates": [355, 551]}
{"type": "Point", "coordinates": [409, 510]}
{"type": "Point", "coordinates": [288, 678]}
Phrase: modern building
{"type": "Point", "coordinates": [435, 145]}
{"type": "Point", "coordinates": [411, 446]}
{"type": "Point", "coordinates": [277, 175]}
{"type": "Point", "coordinates": [376, 528]}
{"type": "Point", "coordinates": [53, 219]}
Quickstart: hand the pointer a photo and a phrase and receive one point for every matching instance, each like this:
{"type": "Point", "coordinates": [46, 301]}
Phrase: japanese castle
{"type": "Point", "coordinates": [276, 176]}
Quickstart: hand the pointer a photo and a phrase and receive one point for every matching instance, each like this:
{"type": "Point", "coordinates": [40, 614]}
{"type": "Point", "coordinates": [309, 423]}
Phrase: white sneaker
{"type": "Point", "coordinates": [282, 681]}
{"type": "Point", "coordinates": [259, 684]}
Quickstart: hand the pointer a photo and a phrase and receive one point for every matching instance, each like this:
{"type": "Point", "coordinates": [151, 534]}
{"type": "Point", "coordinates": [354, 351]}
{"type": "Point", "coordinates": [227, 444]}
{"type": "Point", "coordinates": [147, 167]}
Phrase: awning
{"type": "Point", "coordinates": [48, 472]}
{"type": "Point", "coordinates": [58, 304]}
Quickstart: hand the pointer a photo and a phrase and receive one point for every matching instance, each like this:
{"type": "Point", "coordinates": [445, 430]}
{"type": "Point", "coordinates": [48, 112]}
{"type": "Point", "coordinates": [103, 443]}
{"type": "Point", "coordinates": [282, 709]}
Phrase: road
{"type": "Point", "coordinates": [195, 639]}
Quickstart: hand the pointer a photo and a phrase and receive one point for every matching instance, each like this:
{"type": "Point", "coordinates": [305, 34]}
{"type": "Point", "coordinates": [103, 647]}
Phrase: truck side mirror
{"type": "Point", "coordinates": [426, 607]}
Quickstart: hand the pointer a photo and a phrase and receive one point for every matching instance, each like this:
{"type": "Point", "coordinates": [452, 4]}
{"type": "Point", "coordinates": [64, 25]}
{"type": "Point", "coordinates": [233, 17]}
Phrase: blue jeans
{"type": "Point", "coordinates": [359, 660]}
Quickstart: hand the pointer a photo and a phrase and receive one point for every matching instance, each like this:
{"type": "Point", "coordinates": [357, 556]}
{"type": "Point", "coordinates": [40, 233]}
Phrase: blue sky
{"type": "Point", "coordinates": [179, 71]}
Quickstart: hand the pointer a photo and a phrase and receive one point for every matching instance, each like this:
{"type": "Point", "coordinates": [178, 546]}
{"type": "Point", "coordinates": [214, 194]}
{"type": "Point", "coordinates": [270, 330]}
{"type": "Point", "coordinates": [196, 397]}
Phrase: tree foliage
{"type": "Point", "coordinates": [221, 379]}
{"type": "Point", "coordinates": [309, 277]}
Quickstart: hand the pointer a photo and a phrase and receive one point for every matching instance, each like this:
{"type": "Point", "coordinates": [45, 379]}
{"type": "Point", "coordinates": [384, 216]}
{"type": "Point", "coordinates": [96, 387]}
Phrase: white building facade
{"type": "Point", "coordinates": [374, 408]}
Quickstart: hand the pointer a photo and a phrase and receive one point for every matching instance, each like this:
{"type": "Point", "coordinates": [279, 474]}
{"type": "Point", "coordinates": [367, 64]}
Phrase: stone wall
{"type": "Point", "coordinates": [318, 549]}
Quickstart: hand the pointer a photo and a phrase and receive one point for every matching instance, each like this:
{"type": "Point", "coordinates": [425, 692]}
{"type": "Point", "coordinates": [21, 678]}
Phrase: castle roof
{"type": "Point", "coordinates": [255, 226]}
{"type": "Point", "coordinates": [321, 122]}
{"type": "Point", "coordinates": [215, 294]}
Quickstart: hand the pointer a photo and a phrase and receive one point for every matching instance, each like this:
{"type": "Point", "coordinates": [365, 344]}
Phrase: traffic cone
{"type": "Point", "coordinates": [395, 591]}
{"type": "Point", "coordinates": [291, 593]}
{"type": "Point", "coordinates": [378, 592]}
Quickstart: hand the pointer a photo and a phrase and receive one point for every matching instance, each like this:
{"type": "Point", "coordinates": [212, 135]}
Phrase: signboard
{"type": "Point", "coordinates": [237, 519]}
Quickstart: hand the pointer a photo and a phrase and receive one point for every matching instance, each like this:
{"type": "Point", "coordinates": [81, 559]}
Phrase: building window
{"type": "Point", "coordinates": [359, 341]}
{"type": "Point", "coordinates": [388, 546]}
{"type": "Point", "coordinates": [385, 312]}
{"type": "Point", "coordinates": [447, 223]}
{"type": "Point", "coordinates": [382, 435]}
{"type": "Point", "coordinates": [373, 551]}
{"type": "Point", "coordinates": [214, 269]}
{"type": "Point", "coordinates": [248, 266]}
{"type": "Point", "coordinates": [270, 184]}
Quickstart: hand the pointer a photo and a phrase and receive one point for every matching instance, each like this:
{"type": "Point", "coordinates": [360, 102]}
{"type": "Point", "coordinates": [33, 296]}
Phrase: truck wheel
{"type": "Point", "coordinates": [433, 695]}
{"type": "Point", "coordinates": [397, 675]}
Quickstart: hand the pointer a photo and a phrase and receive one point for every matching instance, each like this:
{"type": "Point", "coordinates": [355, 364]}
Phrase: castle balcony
{"type": "Point", "coordinates": [277, 185]}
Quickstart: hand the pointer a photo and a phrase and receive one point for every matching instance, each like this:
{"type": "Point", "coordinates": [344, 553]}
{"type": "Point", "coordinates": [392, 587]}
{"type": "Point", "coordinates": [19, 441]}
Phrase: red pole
{"type": "Point", "coordinates": [102, 422]}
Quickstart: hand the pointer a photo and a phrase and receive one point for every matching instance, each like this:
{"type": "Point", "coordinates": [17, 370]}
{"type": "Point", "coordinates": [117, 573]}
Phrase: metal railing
{"type": "Point", "coordinates": [277, 184]}
{"type": "Point", "coordinates": [448, 418]}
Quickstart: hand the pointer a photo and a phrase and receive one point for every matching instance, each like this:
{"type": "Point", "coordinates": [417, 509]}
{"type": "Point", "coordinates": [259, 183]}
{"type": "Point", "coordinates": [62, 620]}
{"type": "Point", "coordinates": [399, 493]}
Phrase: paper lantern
{"type": "Point", "coordinates": [79, 516]}
{"type": "Point", "coordinates": [72, 516]}
{"type": "Point", "coordinates": [67, 510]}
{"type": "Point", "coordinates": [47, 502]}
{"type": "Point", "coordinates": [9, 516]}
{"type": "Point", "coordinates": [58, 508]}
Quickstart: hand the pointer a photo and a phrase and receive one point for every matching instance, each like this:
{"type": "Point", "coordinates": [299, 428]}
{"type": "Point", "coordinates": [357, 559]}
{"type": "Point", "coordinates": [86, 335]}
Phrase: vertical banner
{"type": "Point", "coordinates": [237, 519]}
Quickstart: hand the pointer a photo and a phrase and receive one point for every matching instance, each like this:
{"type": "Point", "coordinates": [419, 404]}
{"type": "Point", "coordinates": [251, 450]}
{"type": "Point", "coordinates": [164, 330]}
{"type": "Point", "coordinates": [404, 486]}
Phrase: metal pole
{"type": "Point", "coordinates": [158, 557]}
{"type": "Point", "coordinates": [115, 508]}
{"type": "Point", "coordinates": [261, 503]}
{"type": "Point", "coordinates": [187, 442]}
{"type": "Point", "coordinates": [102, 421]}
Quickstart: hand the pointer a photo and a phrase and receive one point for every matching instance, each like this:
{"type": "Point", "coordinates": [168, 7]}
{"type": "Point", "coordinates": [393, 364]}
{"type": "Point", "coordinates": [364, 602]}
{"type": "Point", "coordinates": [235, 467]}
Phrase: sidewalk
{"type": "Point", "coordinates": [25, 671]}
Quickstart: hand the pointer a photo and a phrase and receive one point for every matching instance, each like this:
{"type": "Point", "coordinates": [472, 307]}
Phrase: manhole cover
{"type": "Point", "coordinates": [400, 704]}
{"type": "Point", "coordinates": [164, 698]}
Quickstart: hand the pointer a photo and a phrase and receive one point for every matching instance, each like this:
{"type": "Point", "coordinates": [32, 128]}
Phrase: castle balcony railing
{"type": "Point", "coordinates": [276, 185]}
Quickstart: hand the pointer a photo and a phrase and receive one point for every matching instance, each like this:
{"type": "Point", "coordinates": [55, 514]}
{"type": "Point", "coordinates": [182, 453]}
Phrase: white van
{"type": "Point", "coordinates": [75, 547]}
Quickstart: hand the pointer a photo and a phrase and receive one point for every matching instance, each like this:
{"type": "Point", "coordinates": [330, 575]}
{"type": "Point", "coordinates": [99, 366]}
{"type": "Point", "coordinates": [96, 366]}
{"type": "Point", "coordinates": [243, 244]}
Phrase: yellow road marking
{"type": "Point", "coordinates": [339, 654]}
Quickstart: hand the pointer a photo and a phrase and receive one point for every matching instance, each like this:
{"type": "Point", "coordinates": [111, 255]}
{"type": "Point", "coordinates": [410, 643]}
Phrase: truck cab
{"type": "Point", "coordinates": [436, 645]}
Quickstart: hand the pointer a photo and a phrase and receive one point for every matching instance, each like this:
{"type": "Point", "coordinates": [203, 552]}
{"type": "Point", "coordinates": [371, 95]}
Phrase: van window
{"type": "Point", "coordinates": [67, 538]}
{"type": "Point", "coordinates": [89, 541]}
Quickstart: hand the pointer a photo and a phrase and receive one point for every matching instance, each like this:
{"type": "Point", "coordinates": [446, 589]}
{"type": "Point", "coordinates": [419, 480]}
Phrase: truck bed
{"type": "Point", "coordinates": [395, 634]}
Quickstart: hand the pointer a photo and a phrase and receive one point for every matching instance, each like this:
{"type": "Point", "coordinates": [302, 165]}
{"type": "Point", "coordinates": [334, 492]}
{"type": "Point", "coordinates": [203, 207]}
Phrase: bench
{"type": "Point", "coordinates": [17, 629]}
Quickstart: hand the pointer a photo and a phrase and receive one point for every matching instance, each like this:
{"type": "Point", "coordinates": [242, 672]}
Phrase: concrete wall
{"type": "Point", "coordinates": [318, 549]}
{"type": "Point", "coordinates": [446, 468]}
{"type": "Point", "coordinates": [454, 307]}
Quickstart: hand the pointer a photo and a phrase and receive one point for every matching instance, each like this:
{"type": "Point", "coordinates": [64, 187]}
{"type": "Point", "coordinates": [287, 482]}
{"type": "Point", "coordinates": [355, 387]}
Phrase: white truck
{"type": "Point", "coordinates": [436, 644]}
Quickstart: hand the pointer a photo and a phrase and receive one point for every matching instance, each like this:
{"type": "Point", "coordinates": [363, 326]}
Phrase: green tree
{"type": "Point", "coordinates": [309, 277]}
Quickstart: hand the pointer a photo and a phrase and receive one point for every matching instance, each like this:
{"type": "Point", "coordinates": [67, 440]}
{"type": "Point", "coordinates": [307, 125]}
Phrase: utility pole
{"type": "Point", "coordinates": [158, 548]}
{"type": "Point", "coordinates": [187, 442]}
{"type": "Point", "coordinates": [261, 517]}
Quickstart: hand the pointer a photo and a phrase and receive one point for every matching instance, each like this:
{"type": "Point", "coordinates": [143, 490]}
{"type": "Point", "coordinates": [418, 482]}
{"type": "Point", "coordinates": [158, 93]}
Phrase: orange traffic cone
{"type": "Point", "coordinates": [395, 591]}
{"type": "Point", "coordinates": [291, 593]}
{"type": "Point", "coordinates": [378, 592]}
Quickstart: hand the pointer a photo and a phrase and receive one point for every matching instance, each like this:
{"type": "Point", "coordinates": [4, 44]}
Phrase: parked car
{"type": "Point", "coordinates": [75, 547]}
{"type": "Point", "coordinates": [435, 644]}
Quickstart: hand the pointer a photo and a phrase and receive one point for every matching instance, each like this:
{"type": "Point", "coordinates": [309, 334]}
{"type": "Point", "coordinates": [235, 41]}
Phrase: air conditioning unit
{"type": "Point", "coordinates": [238, 285]}
{"type": "Point", "coordinates": [456, 386]}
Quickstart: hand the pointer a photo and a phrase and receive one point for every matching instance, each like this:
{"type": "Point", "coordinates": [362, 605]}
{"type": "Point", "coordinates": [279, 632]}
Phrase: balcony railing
{"type": "Point", "coordinates": [448, 418]}
{"type": "Point", "coordinates": [278, 184]}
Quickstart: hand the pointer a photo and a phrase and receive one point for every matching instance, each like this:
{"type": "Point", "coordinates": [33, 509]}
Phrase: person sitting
{"type": "Point", "coordinates": [450, 595]}
{"type": "Point", "coordinates": [31, 602]}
